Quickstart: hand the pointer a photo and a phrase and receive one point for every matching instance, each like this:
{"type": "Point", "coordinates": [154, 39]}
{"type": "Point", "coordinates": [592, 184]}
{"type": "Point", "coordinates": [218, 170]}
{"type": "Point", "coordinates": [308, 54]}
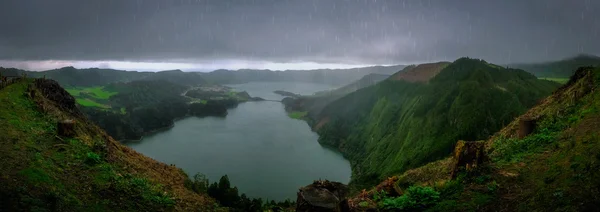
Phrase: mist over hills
{"type": "Point", "coordinates": [390, 122]}
{"type": "Point", "coordinates": [559, 69]}
{"type": "Point", "coordinates": [70, 76]}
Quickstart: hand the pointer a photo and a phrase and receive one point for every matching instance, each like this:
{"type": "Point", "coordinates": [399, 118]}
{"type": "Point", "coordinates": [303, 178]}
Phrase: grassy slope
{"type": "Point", "coordinates": [313, 104]}
{"type": "Point", "coordinates": [91, 96]}
{"type": "Point", "coordinates": [397, 125]}
{"type": "Point", "coordinates": [420, 73]}
{"type": "Point", "coordinates": [553, 169]}
{"type": "Point", "coordinates": [297, 114]}
{"type": "Point", "coordinates": [44, 172]}
{"type": "Point", "coordinates": [91, 103]}
{"type": "Point", "coordinates": [97, 92]}
{"type": "Point", "coordinates": [559, 80]}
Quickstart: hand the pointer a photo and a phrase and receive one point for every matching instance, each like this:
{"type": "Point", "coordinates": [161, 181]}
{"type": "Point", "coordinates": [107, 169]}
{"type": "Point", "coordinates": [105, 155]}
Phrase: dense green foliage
{"type": "Point", "coordinates": [229, 196]}
{"type": "Point", "coordinates": [139, 107]}
{"type": "Point", "coordinates": [396, 125]}
{"type": "Point", "coordinates": [552, 169]}
{"type": "Point", "coordinates": [416, 198]}
{"type": "Point", "coordinates": [44, 172]}
{"type": "Point", "coordinates": [560, 69]}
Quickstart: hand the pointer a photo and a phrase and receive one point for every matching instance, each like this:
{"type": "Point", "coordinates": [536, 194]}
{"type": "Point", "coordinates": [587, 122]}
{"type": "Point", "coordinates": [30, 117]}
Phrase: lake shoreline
{"type": "Point", "coordinates": [265, 153]}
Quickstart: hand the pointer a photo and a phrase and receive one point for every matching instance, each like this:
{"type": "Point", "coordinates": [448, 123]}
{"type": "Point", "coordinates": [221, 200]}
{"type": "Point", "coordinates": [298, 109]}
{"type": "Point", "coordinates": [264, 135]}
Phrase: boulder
{"type": "Point", "coordinates": [468, 156]}
{"type": "Point", "coordinates": [526, 127]}
{"type": "Point", "coordinates": [323, 196]}
{"type": "Point", "coordinates": [66, 128]}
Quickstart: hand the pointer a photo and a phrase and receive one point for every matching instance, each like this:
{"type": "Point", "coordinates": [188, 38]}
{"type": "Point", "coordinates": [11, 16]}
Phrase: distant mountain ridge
{"type": "Point", "coordinates": [559, 69]}
{"type": "Point", "coordinates": [70, 76]}
{"type": "Point", "coordinates": [324, 76]}
{"type": "Point", "coordinates": [73, 77]}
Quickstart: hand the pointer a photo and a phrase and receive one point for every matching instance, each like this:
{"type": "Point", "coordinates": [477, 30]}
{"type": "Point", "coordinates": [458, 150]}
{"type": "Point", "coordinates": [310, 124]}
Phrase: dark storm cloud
{"type": "Point", "coordinates": [325, 31]}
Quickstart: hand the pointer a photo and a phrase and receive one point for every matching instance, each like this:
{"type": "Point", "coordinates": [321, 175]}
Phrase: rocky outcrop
{"type": "Point", "coordinates": [468, 156]}
{"type": "Point", "coordinates": [52, 91]}
{"type": "Point", "coordinates": [323, 196]}
{"type": "Point", "coordinates": [526, 127]}
{"type": "Point", "coordinates": [66, 128]}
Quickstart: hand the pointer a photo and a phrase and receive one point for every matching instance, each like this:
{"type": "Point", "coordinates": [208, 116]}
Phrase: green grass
{"type": "Point", "coordinates": [91, 96]}
{"type": "Point", "coordinates": [559, 80]}
{"type": "Point", "coordinates": [61, 174]}
{"type": "Point", "coordinates": [90, 103]}
{"type": "Point", "coordinates": [297, 114]}
{"type": "Point", "coordinates": [96, 92]}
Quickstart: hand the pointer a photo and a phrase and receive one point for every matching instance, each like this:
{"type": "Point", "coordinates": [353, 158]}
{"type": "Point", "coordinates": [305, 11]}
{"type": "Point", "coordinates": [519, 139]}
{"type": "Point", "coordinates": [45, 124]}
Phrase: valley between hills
{"type": "Point", "coordinates": [465, 135]}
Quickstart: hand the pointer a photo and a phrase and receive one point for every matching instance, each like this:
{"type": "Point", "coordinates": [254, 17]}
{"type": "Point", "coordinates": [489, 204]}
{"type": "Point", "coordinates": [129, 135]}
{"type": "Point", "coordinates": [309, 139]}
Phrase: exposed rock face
{"type": "Point", "coordinates": [66, 128]}
{"type": "Point", "coordinates": [468, 155]}
{"type": "Point", "coordinates": [323, 196]}
{"type": "Point", "coordinates": [54, 92]}
{"type": "Point", "coordinates": [526, 127]}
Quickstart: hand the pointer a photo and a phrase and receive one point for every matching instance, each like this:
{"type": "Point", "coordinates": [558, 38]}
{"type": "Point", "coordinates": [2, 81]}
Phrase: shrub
{"type": "Point", "coordinates": [363, 204]}
{"type": "Point", "coordinates": [92, 158]}
{"type": "Point", "coordinates": [379, 195]}
{"type": "Point", "coordinates": [415, 198]}
{"type": "Point", "coordinates": [199, 184]}
{"type": "Point", "coordinates": [493, 186]}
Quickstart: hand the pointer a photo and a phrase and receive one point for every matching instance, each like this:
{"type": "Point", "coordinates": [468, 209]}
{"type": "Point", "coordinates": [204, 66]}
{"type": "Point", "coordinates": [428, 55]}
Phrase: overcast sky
{"type": "Point", "coordinates": [290, 34]}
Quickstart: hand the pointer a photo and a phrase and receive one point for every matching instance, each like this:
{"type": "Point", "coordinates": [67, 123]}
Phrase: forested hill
{"type": "Point", "coordinates": [559, 69]}
{"type": "Point", "coordinates": [327, 76]}
{"type": "Point", "coordinates": [397, 125]}
{"type": "Point", "coordinates": [72, 77]}
{"type": "Point", "coordinates": [544, 160]}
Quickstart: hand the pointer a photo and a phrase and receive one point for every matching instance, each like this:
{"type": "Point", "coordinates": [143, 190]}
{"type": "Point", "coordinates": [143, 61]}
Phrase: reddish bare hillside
{"type": "Point", "coordinates": [420, 73]}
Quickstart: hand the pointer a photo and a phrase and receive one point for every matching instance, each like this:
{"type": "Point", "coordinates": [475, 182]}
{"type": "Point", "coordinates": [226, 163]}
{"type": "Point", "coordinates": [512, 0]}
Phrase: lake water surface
{"type": "Point", "coordinates": [265, 153]}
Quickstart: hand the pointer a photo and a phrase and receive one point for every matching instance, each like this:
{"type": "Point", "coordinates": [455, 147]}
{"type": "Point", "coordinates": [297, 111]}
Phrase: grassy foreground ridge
{"type": "Point", "coordinates": [42, 171]}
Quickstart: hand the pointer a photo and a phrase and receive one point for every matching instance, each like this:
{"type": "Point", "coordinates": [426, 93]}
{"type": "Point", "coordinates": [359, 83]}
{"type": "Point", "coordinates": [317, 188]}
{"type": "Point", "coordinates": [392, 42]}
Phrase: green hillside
{"type": "Point", "coordinates": [313, 104]}
{"type": "Point", "coordinates": [82, 169]}
{"type": "Point", "coordinates": [397, 125]}
{"type": "Point", "coordinates": [555, 168]}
